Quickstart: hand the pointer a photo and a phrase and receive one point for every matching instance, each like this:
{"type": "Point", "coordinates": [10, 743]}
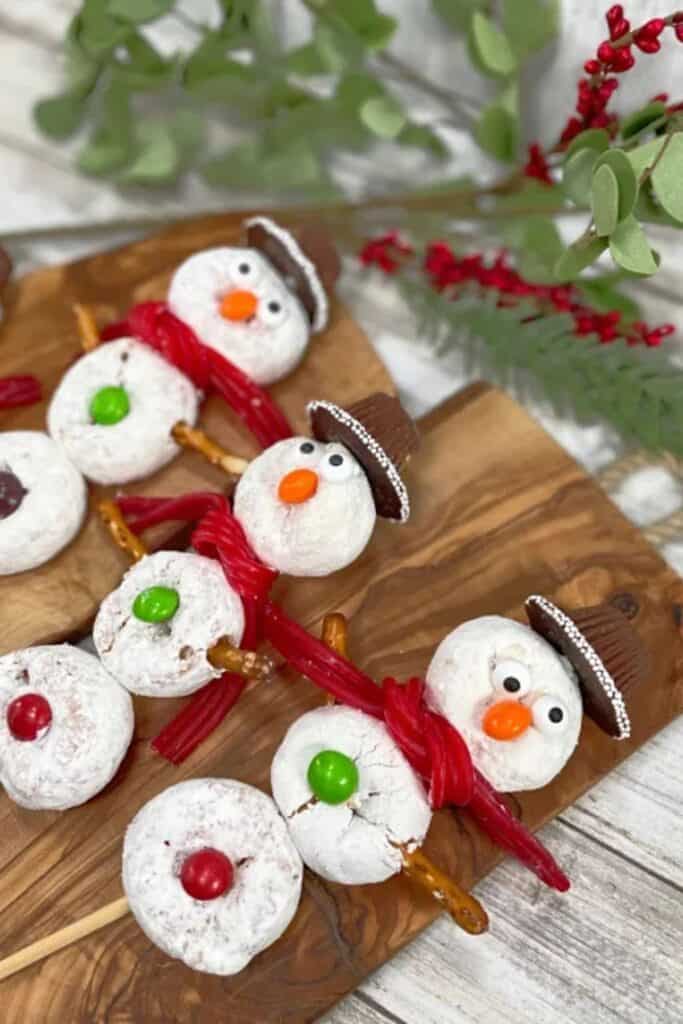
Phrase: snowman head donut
{"type": "Point", "coordinates": [308, 505]}
{"type": "Point", "coordinates": [258, 305]}
{"type": "Point", "coordinates": [211, 874]}
{"type": "Point", "coordinates": [351, 800]}
{"type": "Point", "coordinates": [65, 725]}
{"type": "Point", "coordinates": [114, 409]}
{"type": "Point", "coordinates": [153, 633]}
{"type": "Point", "coordinates": [517, 693]}
{"type": "Point", "coordinates": [43, 500]}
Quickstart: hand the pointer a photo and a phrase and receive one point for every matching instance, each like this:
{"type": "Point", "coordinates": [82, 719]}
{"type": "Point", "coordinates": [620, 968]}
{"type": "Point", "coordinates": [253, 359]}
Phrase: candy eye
{"type": "Point", "coordinates": [273, 311]}
{"type": "Point", "coordinates": [337, 466]}
{"type": "Point", "coordinates": [512, 677]}
{"type": "Point", "coordinates": [550, 715]}
{"type": "Point", "coordinates": [245, 272]}
{"type": "Point", "coordinates": [307, 448]}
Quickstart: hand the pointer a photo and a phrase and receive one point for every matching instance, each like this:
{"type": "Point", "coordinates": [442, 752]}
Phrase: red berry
{"type": "Point", "coordinates": [591, 67]}
{"type": "Point", "coordinates": [620, 28]}
{"type": "Point", "coordinates": [606, 53]}
{"type": "Point", "coordinates": [206, 874]}
{"type": "Point", "coordinates": [679, 31]}
{"type": "Point", "coordinates": [652, 28]}
{"type": "Point", "coordinates": [28, 716]}
{"type": "Point", "coordinates": [615, 13]}
{"type": "Point", "coordinates": [623, 59]}
{"type": "Point", "coordinates": [648, 45]}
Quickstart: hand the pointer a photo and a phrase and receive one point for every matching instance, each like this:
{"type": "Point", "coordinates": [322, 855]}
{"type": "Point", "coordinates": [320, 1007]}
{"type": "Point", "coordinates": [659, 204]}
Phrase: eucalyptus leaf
{"type": "Point", "coordinates": [498, 133]}
{"type": "Point", "coordinates": [640, 119]}
{"type": "Point", "coordinates": [305, 60]}
{"type": "Point", "coordinates": [667, 178]}
{"type": "Point", "coordinates": [605, 200]}
{"type": "Point", "coordinates": [157, 159]}
{"type": "Point", "coordinates": [363, 18]}
{"type": "Point", "coordinates": [630, 248]}
{"type": "Point", "coordinates": [530, 24]}
{"type": "Point", "coordinates": [458, 13]}
{"type": "Point", "coordinates": [338, 47]}
{"type": "Point", "coordinates": [643, 157]}
{"type": "Point", "coordinates": [98, 32]}
{"type": "Point", "coordinates": [577, 176]}
{"type": "Point", "coordinates": [541, 248]}
{"type": "Point", "coordinates": [145, 70]}
{"type": "Point", "coordinates": [80, 68]}
{"type": "Point", "coordinates": [138, 11]}
{"type": "Point", "coordinates": [491, 46]}
{"type": "Point", "coordinates": [422, 137]}
{"type": "Point", "coordinates": [592, 138]}
{"type": "Point", "coordinates": [59, 116]}
{"type": "Point", "coordinates": [619, 164]}
{"type": "Point", "coordinates": [103, 155]}
{"type": "Point", "coordinates": [383, 116]}
{"type": "Point", "coordinates": [577, 257]}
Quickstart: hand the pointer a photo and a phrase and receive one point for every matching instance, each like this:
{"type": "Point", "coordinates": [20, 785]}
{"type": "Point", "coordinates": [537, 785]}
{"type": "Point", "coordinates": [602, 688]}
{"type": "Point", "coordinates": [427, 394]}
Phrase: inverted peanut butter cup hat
{"type": "Point", "coordinates": [607, 654]}
{"type": "Point", "coordinates": [306, 259]}
{"type": "Point", "coordinates": [381, 435]}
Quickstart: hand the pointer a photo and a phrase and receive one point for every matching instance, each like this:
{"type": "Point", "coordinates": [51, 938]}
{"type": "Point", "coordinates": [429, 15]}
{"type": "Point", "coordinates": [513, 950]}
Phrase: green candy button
{"type": "Point", "coordinates": [332, 776]}
{"type": "Point", "coordinates": [109, 405]}
{"type": "Point", "coordinates": [156, 604]}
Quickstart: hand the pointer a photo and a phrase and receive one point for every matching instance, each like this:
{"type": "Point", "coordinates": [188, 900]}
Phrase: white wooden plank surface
{"type": "Point", "coordinates": [611, 951]}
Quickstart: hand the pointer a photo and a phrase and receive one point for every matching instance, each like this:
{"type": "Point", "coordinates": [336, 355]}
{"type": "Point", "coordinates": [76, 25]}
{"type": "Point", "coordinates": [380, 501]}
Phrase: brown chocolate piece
{"type": "Point", "coordinates": [602, 642]}
{"type": "Point", "coordinates": [315, 243]}
{"type": "Point", "coordinates": [12, 493]}
{"type": "Point", "coordinates": [378, 420]}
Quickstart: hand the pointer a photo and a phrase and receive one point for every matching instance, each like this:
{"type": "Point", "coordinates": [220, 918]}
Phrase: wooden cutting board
{"type": "Point", "coordinates": [500, 511]}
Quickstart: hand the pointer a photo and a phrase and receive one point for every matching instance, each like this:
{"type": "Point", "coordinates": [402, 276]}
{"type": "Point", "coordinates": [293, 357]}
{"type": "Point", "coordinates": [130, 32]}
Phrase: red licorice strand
{"type": "Point", "coordinates": [142, 513]}
{"type": "Point", "coordinates": [252, 404]}
{"type": "Point", "coordinates": [199, 718]}
{"type": "Point", "coordinates": [20, 390]}
{"type": "Point", "coordinates": [220, 535]}
{"type": "Point", "coordinates": [494, 818]}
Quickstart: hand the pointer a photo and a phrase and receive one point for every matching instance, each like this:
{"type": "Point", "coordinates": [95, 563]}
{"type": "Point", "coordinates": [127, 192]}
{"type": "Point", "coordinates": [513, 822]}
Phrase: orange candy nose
{"type": "Point", "coordinates": [506, 720]}
{"type": "Point", "coordinates": [298, 486]}
{"type": "Point", "coordinates": [238, 305]}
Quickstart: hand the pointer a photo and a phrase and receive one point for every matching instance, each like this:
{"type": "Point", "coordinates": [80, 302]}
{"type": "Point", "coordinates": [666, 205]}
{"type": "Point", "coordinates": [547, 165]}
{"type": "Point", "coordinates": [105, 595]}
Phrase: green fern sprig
{"type": "Point", "coordinates": [639, 391]}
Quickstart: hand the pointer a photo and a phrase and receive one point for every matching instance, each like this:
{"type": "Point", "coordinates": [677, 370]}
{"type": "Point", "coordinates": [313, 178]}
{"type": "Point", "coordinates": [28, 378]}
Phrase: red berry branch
{"type": "Point", "coordinates": [614, 56]}
{"type": "Point", "coordinates": [447, 272]}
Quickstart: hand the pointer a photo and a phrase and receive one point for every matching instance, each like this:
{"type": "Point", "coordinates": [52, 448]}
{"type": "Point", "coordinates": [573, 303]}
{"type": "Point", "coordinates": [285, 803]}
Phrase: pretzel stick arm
{"type": "Point", "coordinates": [335, 635]}
{"type": "Point", "coordinates": [87, 327]}
{"type": "Point", "coordinates": [123, 536]}
{"type": "Point", "coordinates": [196, 440]}
{"type": "Point", "coordinates": [465, 910]}
{"type": "Point", "coordinates": [226, 656]}
{"type": "Point", "coordinates": [64, 937]}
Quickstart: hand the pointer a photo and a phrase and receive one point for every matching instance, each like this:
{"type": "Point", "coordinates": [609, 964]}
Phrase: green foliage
{"type": "Point", "coordinates": [641, 119]}
{"type": "Point", "coordinates": [630, 248]}
{"type": "Point", "coordinates": [639, 391]}
{"type": "Point", "coordinates": [491, 47]}
{"type": "Point", "coordinates": [605, 200]}
{"type": "Point", "coordinates": [667, 177]}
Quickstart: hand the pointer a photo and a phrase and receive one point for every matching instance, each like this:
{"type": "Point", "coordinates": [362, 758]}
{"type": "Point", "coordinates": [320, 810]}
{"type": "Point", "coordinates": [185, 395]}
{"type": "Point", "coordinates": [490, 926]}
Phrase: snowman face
{"type": "Point", "coordinates": [306, 507]}
{"type": "Point", "coordinates": [238, 304]}
{"type": "Point", "coordinates": [514, 699]}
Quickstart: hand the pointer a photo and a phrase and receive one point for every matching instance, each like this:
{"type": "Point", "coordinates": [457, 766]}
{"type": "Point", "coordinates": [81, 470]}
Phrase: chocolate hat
{"type": "Point", "coordinates": [305, 257]}
{"type": "Point", "coordinates": [381, 435]}
{"type": "Point", "coordinates": [605, 651]}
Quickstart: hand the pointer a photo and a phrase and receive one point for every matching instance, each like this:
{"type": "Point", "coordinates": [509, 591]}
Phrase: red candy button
{"type": "Point", "coordinates": [28, 716]}
{"type": "Point", "coordinates": [206, 874]}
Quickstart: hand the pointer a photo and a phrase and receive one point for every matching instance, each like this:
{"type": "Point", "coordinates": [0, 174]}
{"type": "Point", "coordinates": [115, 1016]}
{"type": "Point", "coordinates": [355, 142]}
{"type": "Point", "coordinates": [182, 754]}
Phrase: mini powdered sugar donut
{"type": "Point", "coordinates": [43, 500]}
{"type": "Point", "coordinates": [258, 305]}
{"type": "Point", "coordinates": [211, 874]}
{"type": "Point", "coordinates": [517, 694]}
{"type": "Point", "coordinates": [65, 725]}
{"type": "Point", "coordinates": [114, 409]}
{"type": "Point", "coordinates": [154, 631]}
{"type": "Point", "coordinates": [309, 507]}
{"type": "Point", "coordinates": [351, 800]}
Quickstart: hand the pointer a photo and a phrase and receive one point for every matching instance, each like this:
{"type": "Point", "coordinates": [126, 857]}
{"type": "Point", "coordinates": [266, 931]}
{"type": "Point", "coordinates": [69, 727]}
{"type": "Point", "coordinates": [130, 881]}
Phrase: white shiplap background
{"type": "Point", "coordinates": [612, 951]}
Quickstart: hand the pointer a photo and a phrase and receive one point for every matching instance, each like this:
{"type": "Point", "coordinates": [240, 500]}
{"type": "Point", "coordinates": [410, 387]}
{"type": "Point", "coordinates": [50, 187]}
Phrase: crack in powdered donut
{"type": "Point", "coordinates": [217, 935]}
{"type": "Point", "coordinates": [139, 441]}
{"type": "Point", "coordinates": [42, 500]}
{"type": "Point", "coordinates": [356, 841]}
{"type": "Point", "coordinates": [168, 658]}
{"type": "Point", "coordinates": [90, 727]}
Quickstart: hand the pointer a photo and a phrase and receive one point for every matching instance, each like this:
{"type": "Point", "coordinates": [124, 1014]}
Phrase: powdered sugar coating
{"type": "Point", "coordinates": [357, 841]}
{"type": "Point", "coordinates": [267, 346]}
{"type": "Point", "coordinates": [168, 659]}
{"type": "Point", "coordinates": [52, 511]}
{"type": "Point", "coordinates": [319, 536]}
{"type": "Point", "coordinates": [463, 682]}
{"type": "Point", "coordinates": [91, 728]}
{"type": "Point", "coordinates": [140, 443]}
{"type": "Point", "coordinates": [218, 936]}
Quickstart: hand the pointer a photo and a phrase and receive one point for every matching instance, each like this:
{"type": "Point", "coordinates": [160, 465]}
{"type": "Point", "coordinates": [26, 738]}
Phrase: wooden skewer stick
{"type": "Point", "coordinates": [196, 440]}
{"type": "Point", "coordinates": [64, 937]}
{"type": "Point", "coordinates": [122, 535]}
{"type": "Point", "coordinates": [87, 327]}
{"type": "Point", "coordinates": [465, 909]}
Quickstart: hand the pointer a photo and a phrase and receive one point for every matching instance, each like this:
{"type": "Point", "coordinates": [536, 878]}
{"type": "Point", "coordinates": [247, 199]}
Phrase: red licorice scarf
{"type": "Point", "coordinates": [430, 743]}
{"type": "Point", "coordinates": [16, 391]}
{"type": "Point", "coordinates": [155, 325]}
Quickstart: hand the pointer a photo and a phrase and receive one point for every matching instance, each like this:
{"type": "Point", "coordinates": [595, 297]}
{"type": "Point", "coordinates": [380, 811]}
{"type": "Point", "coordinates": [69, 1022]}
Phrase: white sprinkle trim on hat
{"type": "Point", "coordinates": [373, 446]}
{"type": "Point", "coordinates": [573, 633]}
{"type": "Point", "coordinates": [289, 242]}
